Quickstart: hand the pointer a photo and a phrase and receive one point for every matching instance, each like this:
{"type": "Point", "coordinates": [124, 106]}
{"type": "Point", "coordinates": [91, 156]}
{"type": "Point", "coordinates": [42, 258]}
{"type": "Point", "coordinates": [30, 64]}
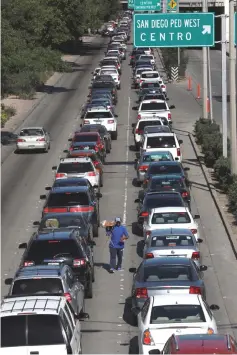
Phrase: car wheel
{"type": "Point", "coordinates": [89, 289]}
{"type": "Point", "coordinates": [137, 146]}
{"type": "Point", "coordinates": [46, 149]}
{"type": "Point", "coordinates": [119, 87]}
{"type": "Point", "coordinates": [93, 272]}
{"type": "Point", "coordinates": [95, 230]}
{"type": "Point", "coordinates": [101, 182]}
{"type": "Point", "coordinates": [107, 148]}
{"type": "Point", "coordinates": [114, 135]}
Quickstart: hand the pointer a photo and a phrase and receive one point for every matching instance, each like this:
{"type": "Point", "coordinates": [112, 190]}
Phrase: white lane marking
{"type": "Point", "coordinates": [121, 280]}
{"type": "Point", "coordinates": [120, 317]}
{"type": "Point", "coordinates": [126, 170]}
{"type": "Point", "coordinates": [119, 325]}
{"type": "Point", "coordinates": [121, 288]}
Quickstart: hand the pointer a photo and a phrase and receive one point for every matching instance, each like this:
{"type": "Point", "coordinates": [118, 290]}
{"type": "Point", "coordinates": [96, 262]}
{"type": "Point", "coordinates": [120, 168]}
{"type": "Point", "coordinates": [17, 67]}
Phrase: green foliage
{"type": "Point", "coordinates": [203, 127]}
{"type": "Point", "coordinates": [223, 173]}
{"type": "Point", "coordinates": [232, 195]}
{"type": "Point", "coordinates": [170, 57]}
{"type": "Point", "coordinates": [212, 148]}
{"type": "Point", "coordinates": [6, 113]}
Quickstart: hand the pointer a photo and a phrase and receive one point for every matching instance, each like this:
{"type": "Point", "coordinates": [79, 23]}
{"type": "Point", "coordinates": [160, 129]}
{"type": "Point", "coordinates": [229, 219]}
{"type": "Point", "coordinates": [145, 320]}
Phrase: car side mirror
{"type": "Point", "coordinates": [136, 310]}
{"type": "Point", "coordinates": [92, 243]}
{"type": "Point", "coordinates": [48, 188]}
{"type": "Point", "coordinates": [133, 125]}
{"type": "Point", "coordinates": [176, 159]}
{"type": "Point", "coordinates": [66, 151]}
{"type": "Point", "coordinates": [81, 124]}
{"type": "Point", "coordinates": [82, 316]}
{"type": "Point", "coordinates": [214, 307]}
{"type": "Point", "coordinates": [180, 141]}
{"type": "Point", "coordinates": [196, 216]}
{"type": "Point", "coordinates": [203, 268]}
{"type": "Point", "coordinates": [135, 108]}
{"type": "Point", "coordinates": [92, 73]}
{"type": "Point", "coordinates": [22, 246]}
{"type": "Point", "coordinates": [69, 139]}
{"type": "Point", "coordinates": [116, 116]}
{"type": "Point", "coordinates": [172, 106]}
{"type": "Point", "coordinates": [137, 155]}
{"type": "Point", "coordinates": [54, 167]}
{"type": "Point", "coordinates": [132, 270]}
{"type": "Point", "coordinates": [8, 281]}
{"type": "Point", "coordinates": [200, 240]}
{"type": "Point", "coordinates": [36, 223]}
{"type": "Point", "coordinates": [89, 87]}
{"type": "Point", "coordinates": [95, 186]}
{"type": "Point", "coordinates": [137, 200]}
{"type": "Point", "coordinates": [167, 99]}
{"type": "Point", "coordinates": [154, 351]}
{"type": "Point", "coordinates": [42, 197]}
{"type": "Point", "coordinates": [135, 160]}
{"type": "Point", "coordinates": [98, 195]}
{"type": "Point", "coordinates": [186, 169]}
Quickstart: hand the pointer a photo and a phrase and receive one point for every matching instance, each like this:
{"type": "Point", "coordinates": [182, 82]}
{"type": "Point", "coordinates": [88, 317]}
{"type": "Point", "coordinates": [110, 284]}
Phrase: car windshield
{"type": "Point", "coordinates": [85, 138]}
{"type": "Point", "coordinates": [170, 218]}
{"type": "Point", "coordinates": [75, 168]}
{"type": "Point", "coordinates": [177, 314]}
{"type": "Point", "coordinates": [172, 241]}
{"type": "Point", "coordinates": [37, 285]}
{"type": "Point", "coordinates": [168, 183]}
{"type": "Point", "coordinates": [99, 114]}
{"type": "Point", "coordinates": [146, 123]}
{"type": "Point", "coordinates": [164, 169]}
{"type": "Point", "coordinates": [171, 272]}
{"type": "Point", "coordinates": [31, 132]}
{"type": "Point", "coordinates": [68, 199]}
{"type": "Point", "coordinates": [153, 106]}
{"type": "Point", "coordinates": [157, 157]}
{"type": "Point", "coordinates": [150, 76]}
{"type": "Point", "coordinates": [139, 71]}
{"type": "Point", "coordinates": [62, 221]}
{"type": "Point", "coordinates": [161, 142]}
{"type": "Point", "coordinates": [41, 250]}
{"type": "Point", "coordinates": [162, 200]}
{"type": "Point", "coordinates": [39, 329]}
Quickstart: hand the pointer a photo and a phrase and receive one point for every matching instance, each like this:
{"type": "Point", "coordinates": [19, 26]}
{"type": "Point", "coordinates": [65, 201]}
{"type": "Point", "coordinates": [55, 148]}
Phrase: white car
{"type": "Point", "coordinates": [42, 325]}
{"type": "Point", "coordinates": [114, 53]}
{"type": "Point", "coordinates": [138, 73]}
{"type": "Point", "coordinates": [141, 124]}
{"type": "Point", "coordinates": [162, 141]}
{"type": "Point", "coordinates": [78, 167]}
{"type": "Point", "coordinates": [96, 72]}
{"type": "Point", "coordinates": [162, 316]}
{"type": "Point", "coordinates": [102, 116]}
{"type": "Point", "coordinates": [121, 44]}
{"type": "Point", "coordinates": [154, 108]}
{"type": "Point", "coordinates": [112, 72]}
{"type": "Point", "coordinates": [170, 217]}
{"type": "Point", "coordinates": [149, 57]}
{"type": "Point", "coordinates": [33, 138]}
{"type": "Point", "coordinates": [150, 77]}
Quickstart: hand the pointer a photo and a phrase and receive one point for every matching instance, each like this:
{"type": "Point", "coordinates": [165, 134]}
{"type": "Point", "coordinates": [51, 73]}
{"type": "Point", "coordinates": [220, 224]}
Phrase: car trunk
{"type": "Point", "coordinates": [161, 288]}
{"type": "Point", "coordinates": [39, 350]}
{"type": "Point", "coordinates": [185, 252]}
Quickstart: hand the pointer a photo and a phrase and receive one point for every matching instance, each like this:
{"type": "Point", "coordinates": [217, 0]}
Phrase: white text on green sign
{"type": "Point", "coordinates": [147, 5]}
{"type": "Point", "coordinates": [174, 30]}
{"type": "Point", "coordinates": [130, 4]}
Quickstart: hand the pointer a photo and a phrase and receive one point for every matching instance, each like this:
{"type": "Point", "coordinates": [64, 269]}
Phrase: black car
{"type": "Point", "coordinates": [102, 132]}
{"type": "Point", "coordinates": [62, 246]}
{"type": "Point", "coordinates": [78, 199]}
{"type": "Point", "coordinates": [106, 85]}
{"type": "Point", "coordinates": [8, 137]}
{"type": "Point", "coordinates": [148, 90]}
{"type": "Point", "coordinates": [157, 96]}
{"type": "Point", "coordinates": [72, 181]}
{"type": "Point", "coordinates": [104, 78]}
{"type": "Point", "coordinates": [168, 183]}
{"type": "Point", "coordinates": [156, 200]}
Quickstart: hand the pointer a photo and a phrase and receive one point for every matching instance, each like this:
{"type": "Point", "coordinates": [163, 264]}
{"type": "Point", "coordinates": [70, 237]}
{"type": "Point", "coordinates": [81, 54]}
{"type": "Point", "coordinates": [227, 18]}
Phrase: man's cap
{"type": "Point", "coordinates": [118, 219]}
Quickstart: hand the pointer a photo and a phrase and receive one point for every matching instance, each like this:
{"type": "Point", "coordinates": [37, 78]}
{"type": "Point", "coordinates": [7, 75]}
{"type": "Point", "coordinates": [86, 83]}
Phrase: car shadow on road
{"type": "Point", "coordinates": [133, 346]}
{"type": "Point", "coordinates": [140, 248]}
{"type": "Point", "coordinates": [136, 230]}
{"type": "Point", "coordinates": [49, 89]}
{"type": "Point", "coordinates": [135, 183]}
{"type": "Point", "coordinates": [104, 266]}
{"type": "Point", "coordinates": [29, 152]}
{"type": "Point", "coordinates": [128, 315]}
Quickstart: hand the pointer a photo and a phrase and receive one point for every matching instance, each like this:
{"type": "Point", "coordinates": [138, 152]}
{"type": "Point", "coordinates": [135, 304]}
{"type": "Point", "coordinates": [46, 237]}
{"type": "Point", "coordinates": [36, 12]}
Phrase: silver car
{"type": "Point", "coordinates": [33, 138]}
{"type": "Point", "coordinates": [49, 279]}
{"type": "Point", "coordinates": [150, 157]}
{"type": "Point", "coordinates": [172, 242]}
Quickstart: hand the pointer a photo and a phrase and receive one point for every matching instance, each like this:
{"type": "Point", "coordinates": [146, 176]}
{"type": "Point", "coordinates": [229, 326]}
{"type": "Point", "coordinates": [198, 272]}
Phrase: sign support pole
{"type": "Point", "coordinates": [224, 85]}
{"type": "Point", "coordinates": [210, 83]}
{"type": "Point", "coordinates": [178, 47]}
{"type": "Point", "coordinates": [232, 61]}
{"type": "Point", "coordinates": [205, 81]}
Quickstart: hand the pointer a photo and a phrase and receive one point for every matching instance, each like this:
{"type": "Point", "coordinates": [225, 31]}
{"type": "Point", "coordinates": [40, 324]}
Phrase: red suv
{"type": "Point", "coordinates": [199, 344]}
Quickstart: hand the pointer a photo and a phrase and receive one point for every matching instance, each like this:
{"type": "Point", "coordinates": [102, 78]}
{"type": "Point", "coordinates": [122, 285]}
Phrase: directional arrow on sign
{"type": "Point", "coordinates": [206, 29]}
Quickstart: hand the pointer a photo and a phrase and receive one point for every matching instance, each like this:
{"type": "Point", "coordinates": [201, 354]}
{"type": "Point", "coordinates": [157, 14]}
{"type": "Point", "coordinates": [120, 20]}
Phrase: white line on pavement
{"type": "Point", "coordinates": [126, 169]}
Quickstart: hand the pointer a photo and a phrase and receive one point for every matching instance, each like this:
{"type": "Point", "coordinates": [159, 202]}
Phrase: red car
{"type": "Point", "coordinates": [199, 344]}
{"type": "Point", "coordinates": [88, 141]}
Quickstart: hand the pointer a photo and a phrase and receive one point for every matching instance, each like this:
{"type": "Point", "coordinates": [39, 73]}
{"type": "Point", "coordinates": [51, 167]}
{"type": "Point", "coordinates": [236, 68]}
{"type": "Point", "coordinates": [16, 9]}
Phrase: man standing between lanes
{"type": "Point", "coordinates": [118, 235]}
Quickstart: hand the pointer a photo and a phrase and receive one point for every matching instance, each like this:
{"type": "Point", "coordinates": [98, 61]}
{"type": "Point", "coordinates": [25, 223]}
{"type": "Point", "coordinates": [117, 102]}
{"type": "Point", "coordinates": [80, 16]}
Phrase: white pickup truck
{"type": "Point", "coordinates": [153, 109]}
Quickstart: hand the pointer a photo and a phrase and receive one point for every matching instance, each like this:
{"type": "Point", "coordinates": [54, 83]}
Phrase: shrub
{"type": "Point", "coordinates": [232, 195]}
{"type": "Point", "coordinates": [204, 126]}
{"type": "Point", "coordinates": [6, 113]}
{"type": "Point", "coordinates": [223, 172]}
{"type": "Point", "coordinates": [212, 148]}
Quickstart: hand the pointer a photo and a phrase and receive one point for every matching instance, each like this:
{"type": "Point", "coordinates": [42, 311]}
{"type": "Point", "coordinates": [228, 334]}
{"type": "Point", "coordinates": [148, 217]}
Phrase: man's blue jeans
{"type": "Point", "coordinates": [116, 253]}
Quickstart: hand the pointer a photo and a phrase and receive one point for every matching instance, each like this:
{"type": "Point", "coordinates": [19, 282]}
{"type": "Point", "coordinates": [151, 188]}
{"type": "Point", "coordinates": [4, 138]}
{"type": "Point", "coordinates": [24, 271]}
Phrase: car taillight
{"type": "Point", "coordinates": [147, 338]}
{"type": "Point", "coordinates": [185, 194]}
{"type": "Point", "coordinates": [91, 173]}
{"type": "Point", "coordinates": [96, 148]}
{"type": "Point", "coordinates": [138, 117]}
{"type": "Point", "coordinates": [194, 290]}
{"type": "Point", "coordinates": [96, 162]}
{"type": "Point", "coordinates": [119, 78]}
{"type": "Point", "coordinates": [178, 152]}
{"type": "Point", "coordinates": [29, 263]}
{"type": "Point", "coordinates": [141, 81]}
{"type": "Point", "coordinates": [68, 296]}
{"type": "Point", "coordinates": [60, 175]}
{"type": "Point", "coordinates": [148, 233]}
{"type": "Point", "coordinates": [138, 131]}
{"type": "Point", "coordinates": [196, 255]}
{"type": "Point", "coordinates": [40, 140]}
{"type": "Point", "coordinates": [163, 86]}
{"type": "Point", "coordinates": [169, 116]}
{"type": "Point", "coordinates": [144, 214]}
{"type": "Point", "coordinates": [79, 262]}
{"type": "Point", "coordinates": [149, 256]}
{"type": "Point", "coordinates": [194, 231]}
{"type": "Point", "coordinates": [141, 293]}
{"type": "Point", "coordinates": [110, 121]}
{"type": "Point", "coordinates": [86, 121]}
{"type": "Point", "coordinates": [131, 57]}
{"type": "Point", "coordinates": [20, 140]}
{"type": "Point", "coordinates": [71, 148]}
{"type": "Point", "coordinates": [210, 331]}
{"type": "Point", "coordinates": [143, 168]}
{"type": "Point", "coordinates": [81, 209]}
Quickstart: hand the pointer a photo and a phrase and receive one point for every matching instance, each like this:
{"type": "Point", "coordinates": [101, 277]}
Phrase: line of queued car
{"type": "Point", "coordinates": [168, 295]}
{"type": "Point", "coordinates": [46, 299]}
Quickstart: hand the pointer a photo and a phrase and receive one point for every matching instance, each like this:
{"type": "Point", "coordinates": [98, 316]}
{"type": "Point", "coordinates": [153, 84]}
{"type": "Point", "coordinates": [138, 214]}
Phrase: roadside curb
{"type": "Point", "coordinates": [227, 226]}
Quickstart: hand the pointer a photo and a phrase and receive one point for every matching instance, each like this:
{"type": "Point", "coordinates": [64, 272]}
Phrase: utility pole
{"type": "Point", "coordinates": [205, 82]}
{"type": "Point", "coordinates": [232, 61]}
{"type": "Point", "coordinates": [178, 47]}
{"type": "Point", "coordinates": [224, 85]}
{"type": "Point", "coordinates": [210, 84]}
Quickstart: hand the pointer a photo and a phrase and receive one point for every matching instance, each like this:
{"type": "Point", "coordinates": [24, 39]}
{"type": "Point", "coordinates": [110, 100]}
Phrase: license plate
{"type": "Point", "coordinates": [31, 146]}
{"type": "Point", "coordinates": [86, 148]}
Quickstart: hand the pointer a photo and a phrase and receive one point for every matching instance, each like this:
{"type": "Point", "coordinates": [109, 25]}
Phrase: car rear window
{"type": "Point", "coordinates": [155, 201]}
{"type": "Point", "coordinates": [108, 71]}
{"type": "Point", "coordinates": [172, 241]}
{"type": "Point", "coordinates": [139, 71]}
{"type": "Point", "coordinates": [154, 97]}
{"type": "Point", "coordinates": [170, 218]}
{"type": "Point", "coordinates": [41, 250]}
{"type": "Point", "coordinates": [41, 330]}
{"type": "Point", "coordinates": [148, 85]}
{"type": "Point", "coordinates": [177, 314]}
{"type": "Point", "coordinates": [69, 182]}
{"type": "Point", "coordinates": [75, 168]}
{"type": "Point", "coordinates": [103, 114]}
{"type": "Point", "coordinates": [169, 183]}
{"type": "Point", "coordinates": [157, 157]}
{"type": "Point", "coordinates": [153, 106]}
{"type": "Point", "coordinates": [31, 132]}
{"type": "Point", "coordinates": [109, 62]}
{"type": "Point", "coordinates": [62, 221]}
{"type": "Point", "coordinates": [37, 285]}
{"type": "Point", "coordinates": [143, 124]}
{"type": "Point", "coordinates": [150, 76]}
{"type": "Point", "coordinates": [167, 273]}
{"type": "Point", "coordinates": [68, 199]}
{"type": "Point", "coordinates": [85, 138]}
{"type": "Point", "coordinates": [161, 142]}
{"type": "Point", "coordinates": [164, 169]}
{"type": "Point", "coordinates": [103, 85]}
{"type": "Point", "coordinates": [147, 57]}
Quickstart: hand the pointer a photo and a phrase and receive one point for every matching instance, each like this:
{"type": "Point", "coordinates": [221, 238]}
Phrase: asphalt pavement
{"type": "Point", "coordinates": [109, 329]}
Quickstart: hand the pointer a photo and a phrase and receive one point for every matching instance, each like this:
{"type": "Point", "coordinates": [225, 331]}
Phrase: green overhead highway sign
{"type": "Point", "coordinates": [172, 5]}
{"type": "Point", "coordinates": [174, 30]}
{"type": "Point", "coordinates": [147, 5]}
{"type": "Point", "coordinates": [131, 4]}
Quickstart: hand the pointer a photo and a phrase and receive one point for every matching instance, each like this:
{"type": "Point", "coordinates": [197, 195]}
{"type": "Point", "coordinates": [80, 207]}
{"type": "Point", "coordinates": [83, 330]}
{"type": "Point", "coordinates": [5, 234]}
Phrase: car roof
{"type": "Point", "coordinates": [62, 214]}
{"type": "Point", "coordinates": [98, 109]}
{"type": "Point", "coordinates": [204, 343]}
{"type": "Point", "coordinates": [65, 189]}
{"type": "Point", "coordinates": [155, 152]}
{"type": "Point", "coordinates": [150, 101]}
{"type": "Point", "coordinates": [184, 299]}
{"type": "Point", "coordinates": [75, 160]}
{"type": "Point", "coordinates": [169, 209]}
{"type": "Point", "coordinates": [31, 128]}
{"type": "Point", "coordinates": [42, 270]}
{"type": "Point", "coordinates": [160, 134]}
{"type": "Point", "coordinates": [61, 234]}
{"type": "Point", "coordinates": [85, 133]}
{"type": "Point", "coordinates": [171, 231]}
{"type": "Point", "coordinates": [173, 162]}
